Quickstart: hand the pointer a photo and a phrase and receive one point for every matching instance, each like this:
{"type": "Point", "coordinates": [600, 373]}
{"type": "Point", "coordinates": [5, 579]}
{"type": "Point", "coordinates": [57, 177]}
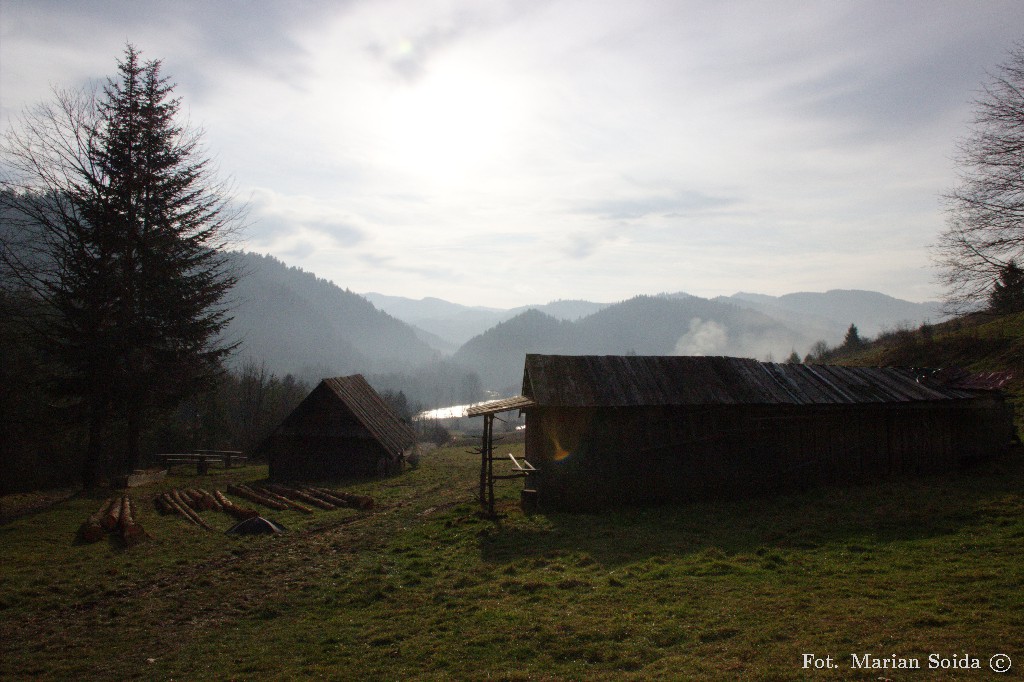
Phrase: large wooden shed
{"type": "Point", "coordinates": [605, 430]}
{"type": "Point", "coordinates": [342, 429]}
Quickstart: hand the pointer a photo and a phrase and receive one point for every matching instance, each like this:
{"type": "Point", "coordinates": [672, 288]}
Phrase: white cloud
{"type": "Point", "coordinates": [508, 152]}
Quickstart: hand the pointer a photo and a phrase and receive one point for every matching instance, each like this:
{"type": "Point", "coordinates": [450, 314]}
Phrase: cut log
{"type": "Point", "coordinates": [112, 515]}
{"type": "Point", "coordinates": [92, 529]}
{"type": "Point", "coordinates": [211, 500]}
{"type": "Point", "coordinates": [183, 499]}
{"type": "Point", "coordinates": [254, 496]}
{"type": "Point", "coordinates": [323, 497]}
{"type": "Point", "coordinates": [344, 499]}
{"type": "Point", "coordinates": [196, 500]}
{"type": "Point", "coordinates": [229, 507]}
{"type": "Point", "coordinates": [202, 500]}
{"type": "Point", "coordinates": [131, 532]}
{"type": "Point", "coordinates": [289, 504]}
{"type": "Point", "coordinates": [180, 506]}
{"type": "Point", "coordinates": [295, 494]}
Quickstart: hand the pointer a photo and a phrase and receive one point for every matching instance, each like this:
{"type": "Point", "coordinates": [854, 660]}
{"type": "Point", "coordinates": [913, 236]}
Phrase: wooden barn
{"type": "Point", "coordinates": [605, 430]}
{"type": "Point", "coordinates": [342, 429]}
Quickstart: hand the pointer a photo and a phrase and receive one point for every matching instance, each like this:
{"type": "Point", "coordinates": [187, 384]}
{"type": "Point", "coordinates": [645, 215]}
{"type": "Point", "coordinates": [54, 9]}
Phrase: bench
{"type": "Point", "coordinates": [203, 459]}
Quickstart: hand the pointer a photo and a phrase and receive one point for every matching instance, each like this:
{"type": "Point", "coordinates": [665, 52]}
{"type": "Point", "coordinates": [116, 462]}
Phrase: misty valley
{"type": "Point", "coordinates": [440, 353]}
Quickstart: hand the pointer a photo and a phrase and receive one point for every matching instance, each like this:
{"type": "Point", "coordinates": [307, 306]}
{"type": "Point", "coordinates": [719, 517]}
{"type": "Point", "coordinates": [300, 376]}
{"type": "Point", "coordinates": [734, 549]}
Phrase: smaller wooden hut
{"type": "Point", "coordinates": [342, 429]}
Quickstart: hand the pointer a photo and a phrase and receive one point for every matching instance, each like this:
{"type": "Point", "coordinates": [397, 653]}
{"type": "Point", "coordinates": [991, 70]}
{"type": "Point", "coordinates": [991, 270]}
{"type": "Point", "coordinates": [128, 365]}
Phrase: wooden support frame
{"type": "Point", "coordinates": [521, 467]}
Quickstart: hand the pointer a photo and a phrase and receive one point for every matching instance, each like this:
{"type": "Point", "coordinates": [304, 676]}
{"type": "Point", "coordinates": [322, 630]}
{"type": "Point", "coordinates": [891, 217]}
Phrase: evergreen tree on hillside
{"type": "Point", "coordinates": [852, 340]}
{"type": "Point", "coordinates": [130, 225]}
{"type": "Point", "coordinates": [1008, 290]}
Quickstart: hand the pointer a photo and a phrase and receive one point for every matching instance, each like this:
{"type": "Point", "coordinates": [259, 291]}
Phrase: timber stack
{"type": "Point", "coordinates": [116, 514]}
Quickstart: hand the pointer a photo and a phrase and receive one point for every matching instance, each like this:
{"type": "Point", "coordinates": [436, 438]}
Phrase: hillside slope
{"type": "Point", "coordinates": [298, 323]}
{"type": "Point", "coordinates": [497, 355]}
{"type": "Point", "coordinates": [981, 342]}
{"type": "Point", "coordinates": [423, 588]}
{"type": "Point", "coordinates": [837, 309]}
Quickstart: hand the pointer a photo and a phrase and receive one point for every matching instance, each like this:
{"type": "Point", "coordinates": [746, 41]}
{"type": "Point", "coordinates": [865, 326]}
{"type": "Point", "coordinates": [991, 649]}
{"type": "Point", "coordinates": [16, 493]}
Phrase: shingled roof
{"type": "Point", "coordinates": [631, 381]}
{"type": "Point", "coordinates": [371, 410]}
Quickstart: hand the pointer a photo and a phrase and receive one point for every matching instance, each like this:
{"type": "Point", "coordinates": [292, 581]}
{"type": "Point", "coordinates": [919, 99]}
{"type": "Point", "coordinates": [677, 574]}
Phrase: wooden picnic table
{"type": "Point", "coordinates": [203, 458]}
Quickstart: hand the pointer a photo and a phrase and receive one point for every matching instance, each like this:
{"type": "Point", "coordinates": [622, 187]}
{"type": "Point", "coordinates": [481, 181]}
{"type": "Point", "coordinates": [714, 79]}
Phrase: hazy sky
{"type": "Point", "coordinates": [504, 153]}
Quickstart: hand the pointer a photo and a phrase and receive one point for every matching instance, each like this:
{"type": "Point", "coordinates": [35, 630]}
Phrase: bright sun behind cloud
{"type": "Point", "coordinates": [452, 123]}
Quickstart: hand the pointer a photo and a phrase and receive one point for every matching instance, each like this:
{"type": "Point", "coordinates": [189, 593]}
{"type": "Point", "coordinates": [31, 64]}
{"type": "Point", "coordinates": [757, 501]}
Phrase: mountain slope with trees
{"type": "Point", "coordinates": [646, 325]}
{"type": "Point", "coordinates": [497, 355]}
{"type": "Point", "coordinates": [449, 325]}
{"type": "Point", "coordinates": [833, 311]}
{"type": "Point", "coordinates": [298, 323]}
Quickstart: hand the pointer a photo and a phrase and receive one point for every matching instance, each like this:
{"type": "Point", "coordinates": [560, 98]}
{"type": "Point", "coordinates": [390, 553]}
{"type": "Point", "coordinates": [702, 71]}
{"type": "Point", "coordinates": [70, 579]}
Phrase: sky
{"type": "Point", "coordinates": [505, 153]}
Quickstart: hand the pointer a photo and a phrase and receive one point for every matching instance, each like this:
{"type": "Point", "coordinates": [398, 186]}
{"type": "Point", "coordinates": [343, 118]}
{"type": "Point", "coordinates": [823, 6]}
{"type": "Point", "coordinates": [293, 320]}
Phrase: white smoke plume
{"type": "Point", "coordinates": [704, 338]}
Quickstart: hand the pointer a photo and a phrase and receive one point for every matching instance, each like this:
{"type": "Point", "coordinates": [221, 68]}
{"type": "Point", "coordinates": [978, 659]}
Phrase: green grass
{"type": "Point", "coordinates": [423, 588]}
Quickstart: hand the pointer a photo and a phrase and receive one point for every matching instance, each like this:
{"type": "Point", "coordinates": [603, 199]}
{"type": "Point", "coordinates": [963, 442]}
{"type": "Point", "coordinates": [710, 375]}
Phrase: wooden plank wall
{"type": "Point", "coordinates": [652, 455]}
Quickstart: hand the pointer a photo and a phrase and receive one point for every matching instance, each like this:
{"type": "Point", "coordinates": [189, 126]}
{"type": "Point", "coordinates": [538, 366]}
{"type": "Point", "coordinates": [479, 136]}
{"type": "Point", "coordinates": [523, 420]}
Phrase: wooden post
{"type": "Point", "coordinates": [484, 456]}
{"type": "Point", "coordinates": [490, 464]}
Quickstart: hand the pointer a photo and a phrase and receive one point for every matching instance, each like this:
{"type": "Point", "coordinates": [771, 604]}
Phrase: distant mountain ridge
{"type": "Point", "coordinates": [450, 324]}
{"type": "Point", "coordinates": [811, 315]}
{"type": "Point", "coordinates": [645, 325]}
{"type": "Point", "coordinates": [871, 311]}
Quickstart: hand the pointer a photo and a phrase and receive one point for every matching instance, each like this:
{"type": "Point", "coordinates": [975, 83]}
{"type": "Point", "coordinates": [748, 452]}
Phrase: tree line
{"type": "Point", "coordinates": [43, 435]}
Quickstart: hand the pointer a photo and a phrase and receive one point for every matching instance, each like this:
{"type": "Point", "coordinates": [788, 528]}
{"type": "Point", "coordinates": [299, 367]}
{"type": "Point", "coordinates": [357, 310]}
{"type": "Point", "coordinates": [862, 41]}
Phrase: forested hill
{"type": "Point", "coordinates": [497, 355]}
{"type": "Point", "coordinates": [298, 323]}
{"type": "Point", "coordinates": [836, 309]}
{"type": "Point", "coordinates": [646, 325]}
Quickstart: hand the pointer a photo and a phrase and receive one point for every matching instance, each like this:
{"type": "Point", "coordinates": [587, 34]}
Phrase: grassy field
{"type": "Point", "coordinates": [423, 588]}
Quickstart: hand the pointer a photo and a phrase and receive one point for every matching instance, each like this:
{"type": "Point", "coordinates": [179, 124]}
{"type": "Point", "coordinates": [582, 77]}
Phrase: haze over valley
{"type": "Point", "coordinates": [440, 352]}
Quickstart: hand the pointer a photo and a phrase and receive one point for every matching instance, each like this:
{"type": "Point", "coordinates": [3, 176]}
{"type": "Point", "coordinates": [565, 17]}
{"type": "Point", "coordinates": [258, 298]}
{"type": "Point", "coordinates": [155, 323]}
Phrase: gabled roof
{"type": "Point", "coordinates": [371, 411]}
{"type": "Point", "coordinates": [627, 381]}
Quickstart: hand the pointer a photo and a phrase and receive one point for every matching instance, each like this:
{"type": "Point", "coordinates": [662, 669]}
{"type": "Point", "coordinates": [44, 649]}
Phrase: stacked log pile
{"type": "Point", "coordinates": [260, 497]}
{"type": "Point", "coordinates": [189, 502]}
{"type": "Point", "coordinates": [290, 503]}
{"type": "Point", "coordinates": [343, 499]}
{"type": "Point", "coordinates": [131, 532]}
{"type": "Point", "coordinates": [180, 503]}
{"type": "Point", "coordinates": [321, 497]}
{"type": "Point", "coordinates": [116, 514]}
{"type": "Point", "coordinates": [303, 495]}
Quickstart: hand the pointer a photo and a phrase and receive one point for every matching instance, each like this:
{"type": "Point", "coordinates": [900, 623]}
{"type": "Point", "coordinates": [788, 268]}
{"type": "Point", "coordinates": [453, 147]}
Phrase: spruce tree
{"type": "Point", "coordinates": [1007, 294]}
{"type": "Point", "coordinates": [852, 340]}
{"type": "Point", "coordinates": [132, 231]}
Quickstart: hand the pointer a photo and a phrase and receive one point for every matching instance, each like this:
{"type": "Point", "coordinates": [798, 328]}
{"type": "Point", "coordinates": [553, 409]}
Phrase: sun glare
{"type": "Point", "coordinates": [452, 123]}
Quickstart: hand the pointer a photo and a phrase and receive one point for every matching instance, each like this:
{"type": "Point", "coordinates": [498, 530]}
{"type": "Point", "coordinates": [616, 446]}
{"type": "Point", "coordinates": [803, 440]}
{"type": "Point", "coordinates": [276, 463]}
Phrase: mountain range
{"type": "Point", "coordinates": [295, 322]}
{"type": "Point", "coordinates": [815, 316]}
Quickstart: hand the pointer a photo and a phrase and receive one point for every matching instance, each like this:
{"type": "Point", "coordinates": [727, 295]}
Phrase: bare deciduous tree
{"type": "Point", "coordinates": [985, 223]}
